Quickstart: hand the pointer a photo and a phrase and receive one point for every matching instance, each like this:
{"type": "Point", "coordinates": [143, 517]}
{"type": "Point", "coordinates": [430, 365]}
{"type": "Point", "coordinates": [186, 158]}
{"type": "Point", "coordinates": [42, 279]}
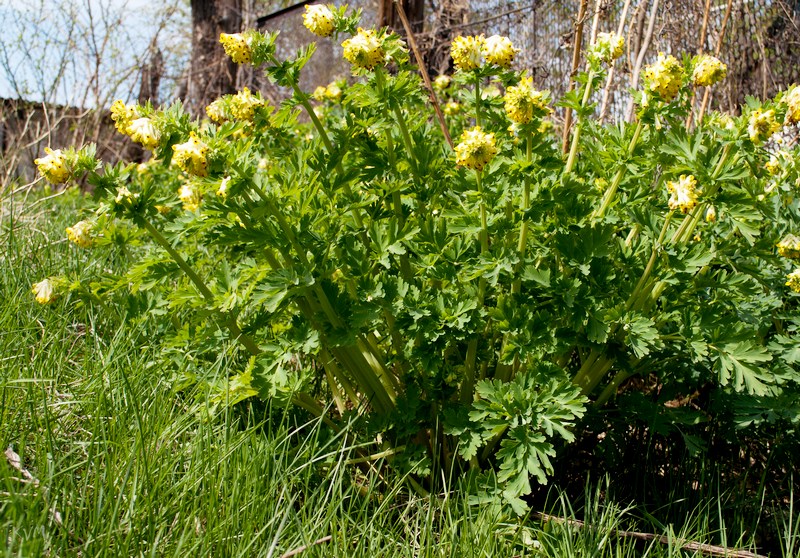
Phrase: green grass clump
{"type": "Point", "coordinates": [121, 465]}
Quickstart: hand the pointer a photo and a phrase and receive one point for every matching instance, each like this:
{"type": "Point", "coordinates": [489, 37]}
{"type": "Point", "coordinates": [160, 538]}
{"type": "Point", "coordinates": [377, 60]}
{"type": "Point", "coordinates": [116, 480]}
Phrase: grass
{"type": "Point", "coordinates": [131, 468]}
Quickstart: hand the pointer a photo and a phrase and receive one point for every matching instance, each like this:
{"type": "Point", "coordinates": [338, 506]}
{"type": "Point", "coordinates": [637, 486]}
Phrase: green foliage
{"type": "Point", "coordinates": [356, 262]}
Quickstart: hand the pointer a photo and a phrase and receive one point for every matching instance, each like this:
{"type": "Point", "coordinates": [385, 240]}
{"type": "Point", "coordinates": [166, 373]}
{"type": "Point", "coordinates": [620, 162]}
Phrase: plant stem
{"type": "Point", "coordinates": [608, 197]}
{"type": "Point", "coordinates": [516, 286]}
{"type": "Point", "coordinates": [472, 348]}
{"type": "Point", "coordinates": [651, 262]}
{"type": "Point", "coordinates": [573, 150]}
{"type": "Point", "coordinates": [477, 99]}
{"type": "Point", "coordinates": [229, 319]}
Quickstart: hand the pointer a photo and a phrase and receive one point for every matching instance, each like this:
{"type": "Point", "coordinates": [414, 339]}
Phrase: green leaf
{"type": "Point", "coordinates": [740, 362]}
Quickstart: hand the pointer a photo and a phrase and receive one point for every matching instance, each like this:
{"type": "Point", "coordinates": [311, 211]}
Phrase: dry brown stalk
{"type": "Point", "coordinates": [642, 53]}
{"type": "Point", "coordinates": [301, 549]}
{"type": "Point", "coordinates": [720, 40]}
{"type": "Point", "coordinates": [576, 60]}
{"type": "Point", "coordinates": [423, 70]}
{"type": "Point", "coordinates": [709, 549]}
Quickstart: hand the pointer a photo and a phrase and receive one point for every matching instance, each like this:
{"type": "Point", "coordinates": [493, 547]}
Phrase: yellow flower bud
{"type": "Point", "coordinates": [189, 194]}
{"type": "Point", "coordinates": [191, 156]}
{"type": "Point", "coordinates": [222, 191]}
{"type": "Point", "coordinates": [499, 50]}
{"type": "Point", "coordinates": [476, 149]}
{"type": "Point", "coordinates": [452, 108]}
{"type": "Point", "coordinates": [125, 196]}
{"type": "Point", "coordinates": [607, 47]}
{"type": "Point", "coordinates": [441, 82]}
{"type": "Point", "coordinates": [467, 52]}
{"type": "Point", "coordinates": [53, 166]}
{"type": "Point", "coordinates": [333, 92]}
{"type": "Point", "coordinates": [81, 234]}
{"type": "Point", "coordinates": [237, 46]}
{"type": "Point", "coordinates": [684, 193]}
{"type": "Point", "coordinates": [708, 70]}
{"type": "Point", "coordinates": [664, 76]}
{"type": "Point", "coordinates": [711, 214]}
{"type": "Point", "coordinates": [319, 20]}
{"type": "Point", "coordinates": [364, 50]}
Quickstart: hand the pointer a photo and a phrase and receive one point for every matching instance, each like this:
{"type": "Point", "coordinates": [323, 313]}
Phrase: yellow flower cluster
{"type": "Point", "coordinates": [467, 51]}
{"type": "Point", "coordinates": [664, 76]}
{"type": "Point", "coordinates": [476, 149]}
{"type": "Point", "coordinates": [81, 234]}
{"type": "Point", "coordinates": [684, 193]}
{"type": "Point", "coordinates": [122, 115]}
{"type": "Point", "coordinates": [792, 100]}
{"type": "Point", "coordinates": [53, 166]}
{"type": "Point", "coordinates": [237, 46]}
{"type": "Point", "coordinates": [793, 280]}
{"type": "Point", "coordinates": [789, 247]}
{"type": "Point", "coordinates": [189, 194]}
{"type": "Point", "coordinates": [523, 102]}
{"type": "Point", "coordinates": [607, 47]}
{"type": "Point", "coordinates": [762, 125]}
{"type": "Point", "coordinates": [498, 50]}
{"type": "Point", "coordinates": [45, 291]}
{"type": "Point", "coordinates": [129, 122]}
{"type": "Point", "coordinates": [708, 70]}
{"type": "Point", "coordinates": [243, 105]}
{"type": "Point", "coordinates": [364, 50]}
{"type": "Point", "coordinates": [143, 131]}
{"type": "Point", "coordinates": [319, 20]}
{"type": "Point", "coordinates": [191, 156]}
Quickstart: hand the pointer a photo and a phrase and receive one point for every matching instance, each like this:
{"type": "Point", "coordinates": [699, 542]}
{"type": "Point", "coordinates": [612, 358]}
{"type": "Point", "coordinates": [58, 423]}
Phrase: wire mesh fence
{"type": "Point", "coordinates": [758, 39]}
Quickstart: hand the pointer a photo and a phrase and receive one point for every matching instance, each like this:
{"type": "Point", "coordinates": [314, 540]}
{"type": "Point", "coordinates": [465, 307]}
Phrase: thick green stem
{"type": "Point", "coordinates": [401, 123]}
{"type": "Point", "coordinates": [472, 348]}
{"type": "Point", "coordinates": [477, 99]}
{"type": "Point", "coordinates": [576, 135]}
{"type": "Point", "coordinates": [650, 263]}
{"type": "Point", "coordinates": [228, 319]}
{"type": "Point", "coordinates": [608, 197]}
{"type": "Point", "coordinates": [523, 230]}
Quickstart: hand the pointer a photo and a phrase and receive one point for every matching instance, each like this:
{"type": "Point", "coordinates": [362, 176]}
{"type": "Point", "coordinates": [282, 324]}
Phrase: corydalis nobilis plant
{"type": "Point", "coordinates": [461, 308]}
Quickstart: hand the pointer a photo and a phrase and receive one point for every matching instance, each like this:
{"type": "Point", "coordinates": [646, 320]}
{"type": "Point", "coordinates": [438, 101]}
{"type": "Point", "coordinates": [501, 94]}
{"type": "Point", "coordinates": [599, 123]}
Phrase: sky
{"type": "Point", "coordinates": [84, 52]}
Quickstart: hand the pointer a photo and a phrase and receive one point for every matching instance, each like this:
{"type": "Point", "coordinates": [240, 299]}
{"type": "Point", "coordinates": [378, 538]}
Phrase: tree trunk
{"type": "Point", "coordinates": [211, 72]}
{"type": "Point", "coordinates": [415, 10]}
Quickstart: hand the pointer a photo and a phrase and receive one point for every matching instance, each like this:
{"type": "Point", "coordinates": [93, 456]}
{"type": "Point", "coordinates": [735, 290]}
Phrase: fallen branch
{"type": "Point", "coordinates": [710, 549]}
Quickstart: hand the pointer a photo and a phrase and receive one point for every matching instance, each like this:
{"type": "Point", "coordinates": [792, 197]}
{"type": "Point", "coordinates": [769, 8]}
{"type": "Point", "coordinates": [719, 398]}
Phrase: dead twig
{"type": "Point", "coordinates": [423, 70]}
{"type": "Point", "coordinates": [305, 547]}
{"type": "Point", "coordinates": [709, 549]}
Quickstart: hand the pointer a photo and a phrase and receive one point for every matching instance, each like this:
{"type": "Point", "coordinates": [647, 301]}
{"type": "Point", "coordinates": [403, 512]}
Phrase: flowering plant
{"type": "Point", "coordinates": [463, 306]}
